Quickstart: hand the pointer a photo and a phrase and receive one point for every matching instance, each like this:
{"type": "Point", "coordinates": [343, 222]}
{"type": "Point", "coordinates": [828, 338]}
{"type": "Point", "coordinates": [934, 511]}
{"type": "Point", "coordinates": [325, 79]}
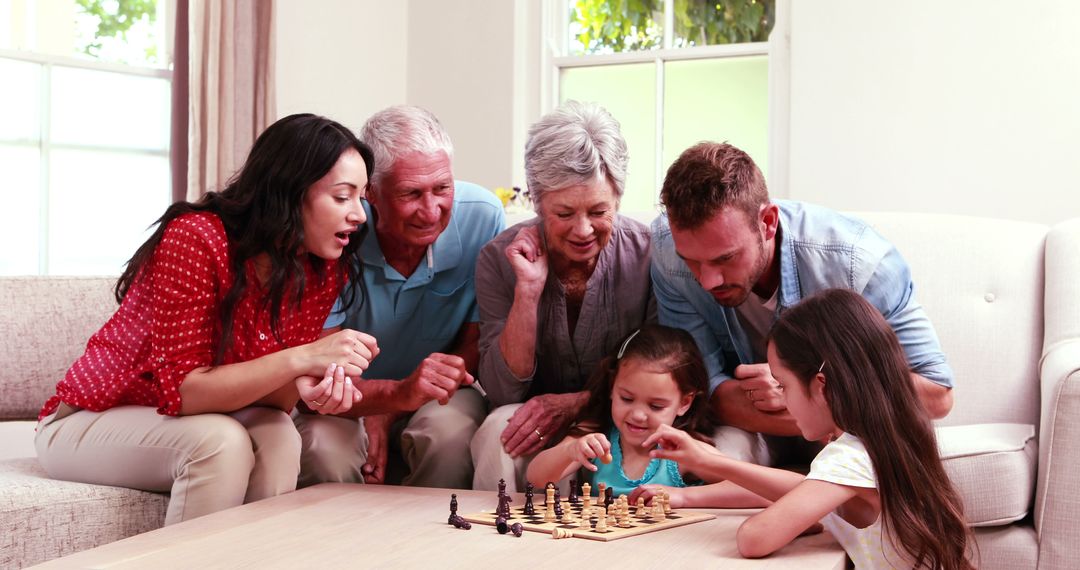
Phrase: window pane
{"type": "Point", "coordinates": [100, 205]}
{"type": "Point", "coordinates": [131, 32]}
{"type": "Point", "coordinates": [20, 100]}
{"type": "Point", "coordinates": [20, 214]}
{"type": "Point", "coordinates": [717, 100]}
{"type": "Point", "coordinates": [700, 23]}
{"type": "Point", "coordinates": [109, 109]}
{"type": "Point", "coordinates": [601, 26]}
{"type": "Point", "coordinates": [628, 92]}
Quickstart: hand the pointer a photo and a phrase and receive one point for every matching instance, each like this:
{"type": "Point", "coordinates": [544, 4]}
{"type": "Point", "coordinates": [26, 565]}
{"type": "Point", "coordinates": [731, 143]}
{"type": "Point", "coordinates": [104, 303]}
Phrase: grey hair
{"type": "Point", "coordinates": [576, 144]}
{"type": "Point", "coordinates": [401, 130]}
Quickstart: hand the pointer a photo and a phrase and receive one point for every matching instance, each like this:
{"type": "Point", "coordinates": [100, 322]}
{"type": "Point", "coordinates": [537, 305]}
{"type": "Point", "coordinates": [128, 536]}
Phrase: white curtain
{"type": "Point", "coordinates": [231, 87]}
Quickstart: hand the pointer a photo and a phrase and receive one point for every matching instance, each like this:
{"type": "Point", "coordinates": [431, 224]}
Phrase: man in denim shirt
{"type": "Point", "coordinates": [727, 260]}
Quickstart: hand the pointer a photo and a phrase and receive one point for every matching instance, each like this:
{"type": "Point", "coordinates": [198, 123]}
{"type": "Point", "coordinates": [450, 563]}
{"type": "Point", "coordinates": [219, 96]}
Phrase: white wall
{"type": "Point", "coordinates": [967, 107]}
{"type": "Point", "coordinates": [460, 67]}
{"type": "Point", "coordinates": [345, 59]}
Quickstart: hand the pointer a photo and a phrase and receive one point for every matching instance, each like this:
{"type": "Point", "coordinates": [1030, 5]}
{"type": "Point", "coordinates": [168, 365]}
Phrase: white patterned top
{"type": "Point", "coordinates": [845, 462]}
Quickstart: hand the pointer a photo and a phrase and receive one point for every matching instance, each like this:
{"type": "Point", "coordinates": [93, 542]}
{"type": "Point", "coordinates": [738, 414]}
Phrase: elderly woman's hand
{"type": "Point", "coordinates": [539, 419]}
{"type": "Point", "coordinates": [528, 258]}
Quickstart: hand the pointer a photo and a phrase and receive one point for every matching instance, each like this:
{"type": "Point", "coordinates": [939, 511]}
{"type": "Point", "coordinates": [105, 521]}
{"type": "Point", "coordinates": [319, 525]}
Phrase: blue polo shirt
{"type": "Point", "coordinates": [412, 318]}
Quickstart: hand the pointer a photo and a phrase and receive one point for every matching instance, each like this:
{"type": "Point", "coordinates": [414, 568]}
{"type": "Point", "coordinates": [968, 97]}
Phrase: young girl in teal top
{"type": "Point", "coordinates": [656, 378]}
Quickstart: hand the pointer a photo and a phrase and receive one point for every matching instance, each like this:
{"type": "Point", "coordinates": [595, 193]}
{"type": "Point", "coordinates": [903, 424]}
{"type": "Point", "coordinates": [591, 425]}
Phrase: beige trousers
{"type": "Point", "coordinates": [207, 462]}
{"type": "Point", "coordinates": [434, 443]}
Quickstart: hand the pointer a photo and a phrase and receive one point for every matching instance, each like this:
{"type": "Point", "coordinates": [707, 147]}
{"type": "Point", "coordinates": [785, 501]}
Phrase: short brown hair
{"type": "Point", "coordinates": [707, 177]}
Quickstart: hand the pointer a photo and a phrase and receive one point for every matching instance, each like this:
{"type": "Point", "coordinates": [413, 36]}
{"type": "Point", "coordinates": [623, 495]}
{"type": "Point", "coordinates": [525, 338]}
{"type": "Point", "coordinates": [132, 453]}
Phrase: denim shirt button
{"type": "Point", "coordinates": [989, 297]}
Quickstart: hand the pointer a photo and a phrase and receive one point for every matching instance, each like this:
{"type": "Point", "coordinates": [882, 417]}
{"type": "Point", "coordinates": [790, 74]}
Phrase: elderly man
{"type": "Point", "coordinates": [423, 234]}
{"type": "Point", "coordinates": [727, 261]}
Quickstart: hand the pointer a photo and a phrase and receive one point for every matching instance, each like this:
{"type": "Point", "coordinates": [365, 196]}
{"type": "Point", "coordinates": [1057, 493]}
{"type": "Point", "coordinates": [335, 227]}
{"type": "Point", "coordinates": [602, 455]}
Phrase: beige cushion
{"type": "Point", "coordinates": [993, 468]}
{"type": "Point", "coordinates": [17, 439]}
{"type": "Point", "coordinates": [981, 281]}
{"type": "Point", "coordinates": [46, 323]}
{"type": "Point", "coordinates": [44, 519]}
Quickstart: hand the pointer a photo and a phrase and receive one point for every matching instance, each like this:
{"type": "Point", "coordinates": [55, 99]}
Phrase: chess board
{"type": "Point", "coordinates": [638, 524]}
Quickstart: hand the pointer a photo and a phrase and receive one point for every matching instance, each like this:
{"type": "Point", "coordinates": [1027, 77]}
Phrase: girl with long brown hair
{"type": "Point", "coordinates": [656, 378]}
{"type": "Point", "coordinates": [878, 486]}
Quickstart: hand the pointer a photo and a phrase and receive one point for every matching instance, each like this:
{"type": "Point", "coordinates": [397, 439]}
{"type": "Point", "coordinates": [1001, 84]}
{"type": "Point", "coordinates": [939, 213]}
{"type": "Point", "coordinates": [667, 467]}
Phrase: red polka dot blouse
{"type": "Point", "coordinates": [167, 324]}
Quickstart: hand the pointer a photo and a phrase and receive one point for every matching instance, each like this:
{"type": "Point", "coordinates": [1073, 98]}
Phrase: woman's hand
{"type": "Point", "coordinates": [528, 259]}
{"type": "Point", "coordinates": [334, 394]}
{"type": "Point", "coordinates": [676, 495]}
{"type": "Point", "coordinates": [680, 447]}
{"type": "Point", "coordinates": [541, 417]}
{"type": "Point", "coordinates": [586, 448]}
{"type": "Point", "coordinates": [353, 350]}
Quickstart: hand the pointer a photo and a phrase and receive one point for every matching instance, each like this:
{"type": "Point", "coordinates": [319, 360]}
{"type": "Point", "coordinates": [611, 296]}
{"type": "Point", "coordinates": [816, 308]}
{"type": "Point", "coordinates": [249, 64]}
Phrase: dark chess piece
{"type": "Point", "coordinates": [502, 493]}
{"type": "Point", "coordinates": [459, 522]}
{"type": "Point", "coordinates": [453, 508]}
{"type": "Point", "coordinates": [574, 500]}
{"type": "Point", "coordinates": [529, 509]}
{"type": "Point", "coordinates": [609, 497]}
{"type": "Point", "coordinates": [501, 526]}
{"type": "Point", "coordinates": [504, 506]}
{"type": "Point", "coordinates": [516, 529]}
{"type": "Point", "coordinates": [558, 505]}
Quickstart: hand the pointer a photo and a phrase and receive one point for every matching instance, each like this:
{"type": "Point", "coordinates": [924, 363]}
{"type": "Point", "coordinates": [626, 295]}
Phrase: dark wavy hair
{"type": "Point", "coordinates": [870, 393]}
{"type": "Point", "coordinates": [668, 351]}
{"type": "Point", "coordinates": [710, 176]}
{"type": "Point", "coordinates": [261, 210]}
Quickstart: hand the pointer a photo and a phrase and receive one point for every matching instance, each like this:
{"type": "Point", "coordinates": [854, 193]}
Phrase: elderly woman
{"type": "Point", "coordinates": [557, 292]}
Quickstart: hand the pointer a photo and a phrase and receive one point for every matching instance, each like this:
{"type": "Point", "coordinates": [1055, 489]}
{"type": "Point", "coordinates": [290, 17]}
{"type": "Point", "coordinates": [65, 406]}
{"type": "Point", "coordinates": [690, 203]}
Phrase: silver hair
{"type": "Point", "coordinates": [576, 144]}
{"type": "Point", "coordinates": [401, 130]}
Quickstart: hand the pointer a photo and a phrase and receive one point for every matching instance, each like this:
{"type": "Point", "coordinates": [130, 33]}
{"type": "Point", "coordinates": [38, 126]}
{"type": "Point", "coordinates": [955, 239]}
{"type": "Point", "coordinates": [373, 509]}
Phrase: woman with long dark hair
{"type": "Point", "coordinates": [187, 389]}
{"type": "Point", "coordinates": [878, 486]}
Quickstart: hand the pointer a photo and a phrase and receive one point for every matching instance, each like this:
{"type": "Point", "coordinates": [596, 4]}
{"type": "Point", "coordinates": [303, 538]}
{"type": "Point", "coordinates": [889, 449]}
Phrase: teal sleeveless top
{"type": "Point", "coordinates": [658, 472]}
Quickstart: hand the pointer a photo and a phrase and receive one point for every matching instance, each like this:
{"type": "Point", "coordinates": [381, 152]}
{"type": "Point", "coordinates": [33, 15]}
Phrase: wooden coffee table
{"type": "Point", "coordinates": [373, 526]}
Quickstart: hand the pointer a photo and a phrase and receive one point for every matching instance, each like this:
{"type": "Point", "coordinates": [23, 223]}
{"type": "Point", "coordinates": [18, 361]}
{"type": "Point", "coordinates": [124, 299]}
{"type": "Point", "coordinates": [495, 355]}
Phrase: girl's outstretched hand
{"type": "Point", "coordinates": [676, 494]}
{"type": "Point", "coordinates": [680, 447]}
{"type": "Point", "coordinates": [589, 447]}
{"type": "Point", "coordinates": [333, 394]}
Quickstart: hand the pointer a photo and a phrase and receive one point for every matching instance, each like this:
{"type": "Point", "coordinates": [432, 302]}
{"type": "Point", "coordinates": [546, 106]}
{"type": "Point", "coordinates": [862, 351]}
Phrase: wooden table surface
{"type": "Point", "coordinates": [374, 526]}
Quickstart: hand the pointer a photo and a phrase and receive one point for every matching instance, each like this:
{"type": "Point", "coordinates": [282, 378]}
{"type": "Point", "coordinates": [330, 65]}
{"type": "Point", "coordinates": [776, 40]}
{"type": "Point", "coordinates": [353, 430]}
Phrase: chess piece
{"type": "Point", "coordinates": [607, 458]}
{"type": "Point", "coordinates": [453, 508]}
{"type": "Point", "coordinates": [609, 497]}
{"type": "Point", "coordinates": [573, 492]}
{"type": "Point", "coordinates": [601, 520]}
{"type": "Point", "coordinates": [503, 508]}
{"type": "Point", "coordinates": [586, 490]}
{"type": "Point", "coordinates": [529, 509]}
{"type": "Point", "coordinates": [567, 517]}
{"type": "Point", "coordinates": [600, 488]}
{"type": "Point", "coordinates": [640, 507]}
{"type": "Point", "coordinates": [549, 504]}
{"type": "Point", "coordinates": [516, 529]}
{"type": "Point", "coordinates": [459, 522]}
{"type": "Point", "coordinates": [558, 504]}
{"type": "Point", "coordinates": [560, 533]}
{"type": "Point", "coordinates": [658, 510]}
{"type": "Point", "coordinates": [501, 526]}
{"type": "Point", "coordinates": [549, 485]}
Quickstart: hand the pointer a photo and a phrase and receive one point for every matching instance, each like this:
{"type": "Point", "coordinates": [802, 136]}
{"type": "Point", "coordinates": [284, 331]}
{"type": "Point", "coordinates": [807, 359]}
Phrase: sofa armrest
{"type": "Point", "coordinates": [1057, 500]}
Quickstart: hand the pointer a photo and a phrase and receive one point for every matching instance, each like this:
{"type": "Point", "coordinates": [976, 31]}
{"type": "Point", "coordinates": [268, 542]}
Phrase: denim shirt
{"type": "Point", "coordinates": [819, 249]}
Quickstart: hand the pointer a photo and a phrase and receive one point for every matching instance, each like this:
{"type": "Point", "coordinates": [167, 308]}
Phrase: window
{"type": "Point", "coordinates": [672, 72]}
{"type": "Point", "coordinates": [84, 132]}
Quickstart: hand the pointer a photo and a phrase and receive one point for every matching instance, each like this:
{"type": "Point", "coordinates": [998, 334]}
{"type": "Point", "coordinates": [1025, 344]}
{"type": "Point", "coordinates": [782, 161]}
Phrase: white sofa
{"type": "Point", "coordinates": [1004, 297]}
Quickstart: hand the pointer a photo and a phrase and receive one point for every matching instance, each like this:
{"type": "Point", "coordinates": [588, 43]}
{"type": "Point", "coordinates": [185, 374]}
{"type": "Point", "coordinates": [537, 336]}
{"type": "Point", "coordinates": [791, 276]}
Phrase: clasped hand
{"type": "Point", "coordinates": [335, 393]}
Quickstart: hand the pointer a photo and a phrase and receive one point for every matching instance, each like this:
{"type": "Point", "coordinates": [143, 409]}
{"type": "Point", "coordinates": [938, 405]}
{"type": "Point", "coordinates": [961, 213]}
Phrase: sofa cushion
{"type": "Point", "coordinates": [46, 323]}
{"type": "Point", "coordinates": [993, 468]}
{"type": "Point", "coordinates": [17, 439]}
{"type": "Point", "coordinates": [44, 519]}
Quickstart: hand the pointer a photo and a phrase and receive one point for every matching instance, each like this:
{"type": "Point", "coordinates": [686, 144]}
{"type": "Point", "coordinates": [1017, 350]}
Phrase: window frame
{"type": "Point", "coordinates": [45, 144]}
{"type": "Point", "coordinates": [554, 58]}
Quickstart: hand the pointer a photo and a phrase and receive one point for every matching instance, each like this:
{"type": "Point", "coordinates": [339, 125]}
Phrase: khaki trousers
{"type": "Point", "coordinates": [433, 441]}
{"type": "Point", "coordinates": [207, 462]}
